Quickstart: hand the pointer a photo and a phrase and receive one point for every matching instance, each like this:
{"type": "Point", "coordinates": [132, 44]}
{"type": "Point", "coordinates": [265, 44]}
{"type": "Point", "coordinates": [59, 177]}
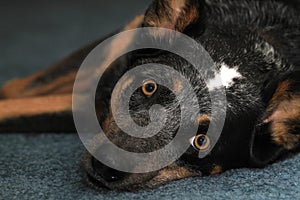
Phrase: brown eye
{"type": "Point", "coordinates": [149, 88]}
{"type": "Point", "coordinates": [200, 142]}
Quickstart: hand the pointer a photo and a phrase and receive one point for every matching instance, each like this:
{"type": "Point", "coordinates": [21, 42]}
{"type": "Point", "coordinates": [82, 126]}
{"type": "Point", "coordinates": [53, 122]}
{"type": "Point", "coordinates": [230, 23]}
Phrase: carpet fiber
{"type": "Point", "coordinates": [47, 167]}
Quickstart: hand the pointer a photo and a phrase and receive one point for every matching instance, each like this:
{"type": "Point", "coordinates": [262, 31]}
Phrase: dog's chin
{"type": "Point", "coordinates": [101, 177]}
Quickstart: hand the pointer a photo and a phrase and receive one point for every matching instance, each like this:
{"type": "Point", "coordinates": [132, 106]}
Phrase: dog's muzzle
{"type": "Point", "coordinates": [106, 173]}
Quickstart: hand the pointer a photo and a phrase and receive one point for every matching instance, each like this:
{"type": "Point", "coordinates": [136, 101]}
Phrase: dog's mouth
{"type": "Point", "coordinates": [100, 176]}
{"type": "Point", "coordinates": [108, 174]}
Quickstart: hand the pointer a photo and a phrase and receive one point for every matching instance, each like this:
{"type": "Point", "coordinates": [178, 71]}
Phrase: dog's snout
{"type": "Point", "coordinates": [107, 173]}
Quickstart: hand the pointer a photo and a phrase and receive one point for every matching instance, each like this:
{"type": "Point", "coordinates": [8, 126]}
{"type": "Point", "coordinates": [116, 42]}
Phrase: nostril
{"type": "Point", "coordinates": [107, 173]}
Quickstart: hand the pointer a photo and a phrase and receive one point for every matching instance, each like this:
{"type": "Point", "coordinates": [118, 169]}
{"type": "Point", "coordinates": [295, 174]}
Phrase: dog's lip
{"type": "Point", "coordinates": [93, 179]}
{"type": "Point", "coordinates": [96, 181]}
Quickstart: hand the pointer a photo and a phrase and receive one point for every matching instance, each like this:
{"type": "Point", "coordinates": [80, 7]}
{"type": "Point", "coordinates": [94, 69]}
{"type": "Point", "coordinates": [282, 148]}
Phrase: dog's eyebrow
{"type": "Point", "coordinates": [203, 120]}
{"type": "Point", "coordinates": [172, 14]}
{"type": "Point", "coordinates": [177, 86]}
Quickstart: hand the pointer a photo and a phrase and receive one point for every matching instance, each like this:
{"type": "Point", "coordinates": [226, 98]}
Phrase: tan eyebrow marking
{"type": "Point", "coordinates": [204, 120]}
{"type": "Point", "coordinates": [177, 86]}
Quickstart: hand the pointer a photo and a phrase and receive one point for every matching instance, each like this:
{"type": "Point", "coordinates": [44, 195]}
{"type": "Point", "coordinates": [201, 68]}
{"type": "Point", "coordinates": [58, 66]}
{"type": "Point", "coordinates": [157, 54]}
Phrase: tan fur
{"type": "Point", "coordinates": [14, 108]}
{"type": "Point", "coordinates": [203, 120]}
{"type": "Point", "coordinates": [286, 111]}
{"type": "Point", "coordinates": [283, 107]}
{"type": "Point", "coordinates": [217, 169]}
{"type": "Point", "coordinates": [171, 173]}
{"type": "Point", "coordinates": [172, 14]}
{"type": "Point", "coordinates": [177, 86]}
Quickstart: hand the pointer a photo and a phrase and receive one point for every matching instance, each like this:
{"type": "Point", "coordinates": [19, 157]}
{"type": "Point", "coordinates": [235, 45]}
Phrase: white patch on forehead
{"type": "Point", "coordinates": [226, 75]}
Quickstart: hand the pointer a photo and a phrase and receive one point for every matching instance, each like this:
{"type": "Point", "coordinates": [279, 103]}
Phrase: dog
{"type": "Point", "coordinates": [258, 42]}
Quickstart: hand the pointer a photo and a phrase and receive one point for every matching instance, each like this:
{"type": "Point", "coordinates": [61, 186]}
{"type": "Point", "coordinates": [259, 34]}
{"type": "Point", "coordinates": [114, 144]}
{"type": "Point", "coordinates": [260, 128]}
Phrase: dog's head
{"type": "Point", "coordinates": [241, 56]}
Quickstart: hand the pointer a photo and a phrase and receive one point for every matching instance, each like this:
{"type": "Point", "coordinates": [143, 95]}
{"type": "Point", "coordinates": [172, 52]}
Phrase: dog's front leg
{"type": "Point", "coordinates": [37, 114]}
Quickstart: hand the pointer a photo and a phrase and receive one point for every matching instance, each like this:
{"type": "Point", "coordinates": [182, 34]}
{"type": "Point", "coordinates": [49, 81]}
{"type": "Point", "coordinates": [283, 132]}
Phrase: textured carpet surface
{"type": "Point", "coordinates": [47, 167]}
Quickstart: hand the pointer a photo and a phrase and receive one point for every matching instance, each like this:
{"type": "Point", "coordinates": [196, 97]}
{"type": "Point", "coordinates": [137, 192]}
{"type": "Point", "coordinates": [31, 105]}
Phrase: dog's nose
{"type": "Point", "coordinates": [107, 173]}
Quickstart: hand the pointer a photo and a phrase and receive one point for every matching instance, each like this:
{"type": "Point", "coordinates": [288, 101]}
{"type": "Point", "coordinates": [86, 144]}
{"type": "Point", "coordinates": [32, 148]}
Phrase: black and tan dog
{"type": "Point", "coordinates": [256, 47]}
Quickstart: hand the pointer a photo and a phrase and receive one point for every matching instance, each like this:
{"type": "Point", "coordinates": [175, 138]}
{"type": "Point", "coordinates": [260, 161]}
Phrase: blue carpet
{"type": "Point", "coordinates": [47, 167]}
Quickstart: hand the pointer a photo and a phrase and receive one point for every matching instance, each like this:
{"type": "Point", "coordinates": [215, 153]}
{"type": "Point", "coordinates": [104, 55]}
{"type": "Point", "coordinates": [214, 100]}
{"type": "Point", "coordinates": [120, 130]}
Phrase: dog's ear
{"type": "Point", "coordinates": [172, 14]}
{"type": "Point", "coordinates": [279, 130]}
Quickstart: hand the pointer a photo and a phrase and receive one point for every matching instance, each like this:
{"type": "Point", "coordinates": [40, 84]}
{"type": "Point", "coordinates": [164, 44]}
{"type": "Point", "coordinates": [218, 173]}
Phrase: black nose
{"type": "Point", "coordinates": [107, 173]}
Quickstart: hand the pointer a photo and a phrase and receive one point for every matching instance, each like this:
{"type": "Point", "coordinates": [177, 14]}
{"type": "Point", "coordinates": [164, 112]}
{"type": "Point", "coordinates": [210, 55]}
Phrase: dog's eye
{"type": "Point", "coordinates": [200, 142]}
{"type": "Point", "coordinates": [149, 88]}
